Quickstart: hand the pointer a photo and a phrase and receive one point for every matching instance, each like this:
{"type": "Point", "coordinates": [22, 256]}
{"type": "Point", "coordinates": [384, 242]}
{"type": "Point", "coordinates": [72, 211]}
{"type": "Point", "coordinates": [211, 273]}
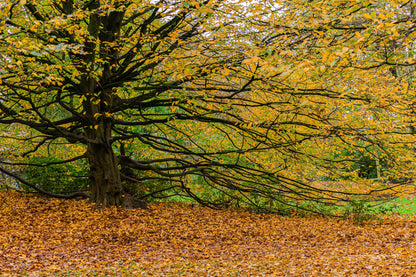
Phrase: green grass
{"type": "Point", "coordinates": [361, 211]}
{"type": "Point", "coordinates": [405, 206]}
{"type": "Point", "coordinates": [400, 206]}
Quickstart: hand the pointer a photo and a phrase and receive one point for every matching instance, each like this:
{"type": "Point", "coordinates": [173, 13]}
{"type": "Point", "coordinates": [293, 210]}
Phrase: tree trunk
{"type": "Point", "coordinates": [106, 187]}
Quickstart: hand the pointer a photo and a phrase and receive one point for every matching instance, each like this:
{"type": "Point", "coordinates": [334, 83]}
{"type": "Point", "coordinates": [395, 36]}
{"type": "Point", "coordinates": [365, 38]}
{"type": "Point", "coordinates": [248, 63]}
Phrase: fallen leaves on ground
{"type": "Point", "coordinates": [41, 236]}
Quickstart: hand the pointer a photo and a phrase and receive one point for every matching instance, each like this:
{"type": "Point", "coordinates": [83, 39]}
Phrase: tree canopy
{"type": "Point", "coordinates": [255, 101]}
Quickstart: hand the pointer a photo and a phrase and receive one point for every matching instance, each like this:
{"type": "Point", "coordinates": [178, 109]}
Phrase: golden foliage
{"type": "Point", "coordinates": [259, 98]}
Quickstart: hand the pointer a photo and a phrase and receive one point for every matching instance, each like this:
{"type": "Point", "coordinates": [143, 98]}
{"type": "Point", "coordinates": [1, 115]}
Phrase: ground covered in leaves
{"type": "Point", "coordinates": [70, 238]}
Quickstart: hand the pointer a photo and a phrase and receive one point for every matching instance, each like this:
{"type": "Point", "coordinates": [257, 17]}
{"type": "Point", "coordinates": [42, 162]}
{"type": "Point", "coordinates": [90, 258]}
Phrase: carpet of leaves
{"type": "Point", "coordinates": [40, 237]}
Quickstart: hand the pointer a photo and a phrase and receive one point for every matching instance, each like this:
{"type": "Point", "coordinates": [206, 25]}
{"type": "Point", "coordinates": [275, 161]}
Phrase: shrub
{"type": "Point", "coordinates": [56, 178]}
{"type": "Point", "coordinates": [359, 211]}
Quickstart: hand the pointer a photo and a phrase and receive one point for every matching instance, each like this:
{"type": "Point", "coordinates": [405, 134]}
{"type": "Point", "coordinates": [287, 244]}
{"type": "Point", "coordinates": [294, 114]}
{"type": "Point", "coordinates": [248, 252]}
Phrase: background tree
{"type": "Point", "coordinates": [252, 100]}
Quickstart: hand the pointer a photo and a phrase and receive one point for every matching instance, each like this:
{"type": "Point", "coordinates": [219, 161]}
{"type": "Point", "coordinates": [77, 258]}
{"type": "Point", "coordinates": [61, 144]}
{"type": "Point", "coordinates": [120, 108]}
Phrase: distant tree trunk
{"type": "Point", "coordinates": [378, 168]}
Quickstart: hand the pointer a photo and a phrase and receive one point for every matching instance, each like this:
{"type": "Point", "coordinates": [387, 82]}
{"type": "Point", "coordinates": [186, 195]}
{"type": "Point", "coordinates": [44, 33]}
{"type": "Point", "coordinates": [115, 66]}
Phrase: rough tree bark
{"type": "Point", "coordinates": [106, 186]}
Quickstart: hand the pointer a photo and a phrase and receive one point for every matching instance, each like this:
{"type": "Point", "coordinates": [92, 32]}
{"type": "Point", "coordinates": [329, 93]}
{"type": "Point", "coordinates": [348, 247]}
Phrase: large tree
{"type": "Point", "coordinates": [226, 95]}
